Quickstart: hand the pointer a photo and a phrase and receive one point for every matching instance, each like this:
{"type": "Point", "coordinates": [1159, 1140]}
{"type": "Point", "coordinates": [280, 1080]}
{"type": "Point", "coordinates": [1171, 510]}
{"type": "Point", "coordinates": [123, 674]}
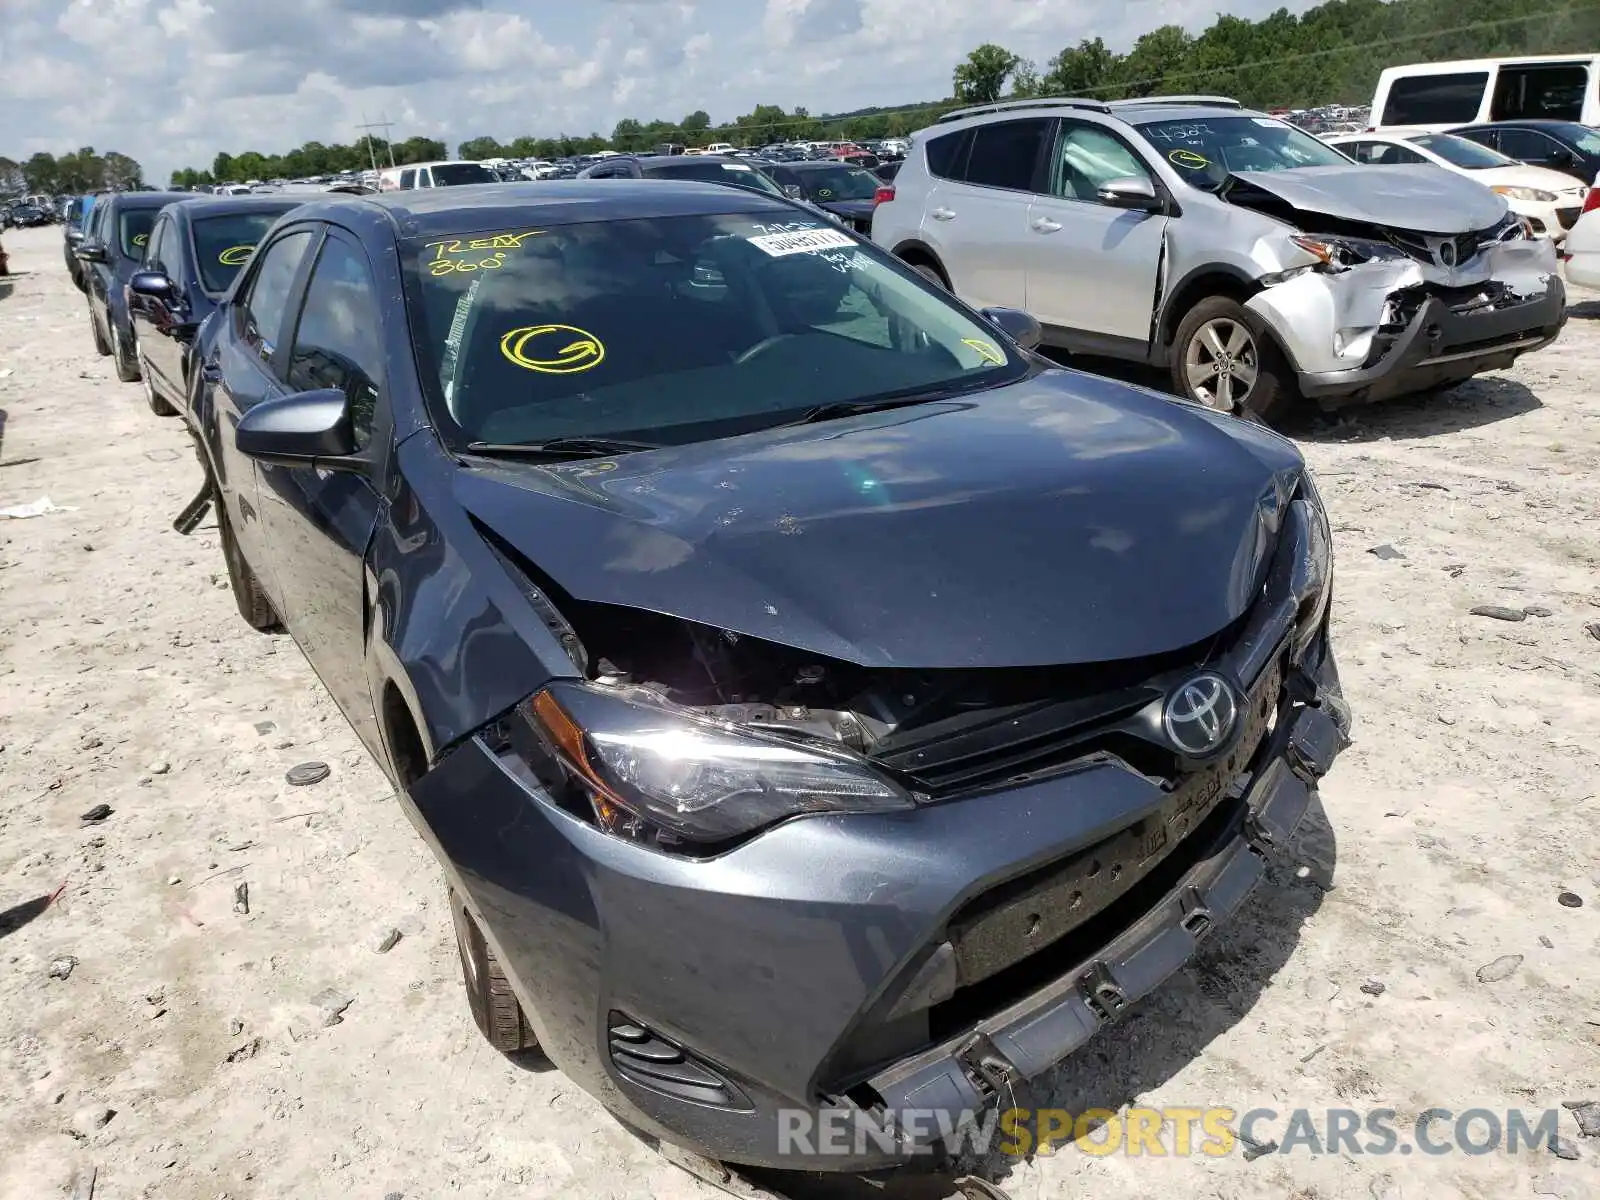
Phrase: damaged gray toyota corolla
{"type": "Point", "coordinates": [819, 703]}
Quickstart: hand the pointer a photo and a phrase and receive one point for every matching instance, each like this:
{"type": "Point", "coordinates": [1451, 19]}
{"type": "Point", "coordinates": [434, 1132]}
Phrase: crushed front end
{"type": "Point", "coordinates": [1043, 848]}
{"type": "Point", "coordinates": [1368, 313]}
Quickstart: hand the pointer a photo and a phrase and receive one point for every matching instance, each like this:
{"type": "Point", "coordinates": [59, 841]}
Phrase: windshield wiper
{"type": "Point", "coordinates": [562, 447]}
{"type": "Point", "coordinates": [850, 408]}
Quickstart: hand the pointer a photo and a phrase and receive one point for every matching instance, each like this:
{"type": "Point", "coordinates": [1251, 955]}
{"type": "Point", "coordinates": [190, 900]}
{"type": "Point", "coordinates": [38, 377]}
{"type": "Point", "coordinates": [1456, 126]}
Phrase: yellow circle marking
{"type": "Point", "coordinates": [986, 350]}
{"type": "Point", "coordinates": [140, 239]}
{"type": "Point", "coordinates": [566, 349]}
{"type": "Point", "coordinates": [1189, 159]}
{"type": "Point", "coordinates": [235, 256]}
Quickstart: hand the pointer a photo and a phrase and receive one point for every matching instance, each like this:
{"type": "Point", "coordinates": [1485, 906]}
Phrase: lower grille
{"type": "Point", "coordinates": [1568, 216]}
{"type": "Point", "coordinates": [1020, 918]}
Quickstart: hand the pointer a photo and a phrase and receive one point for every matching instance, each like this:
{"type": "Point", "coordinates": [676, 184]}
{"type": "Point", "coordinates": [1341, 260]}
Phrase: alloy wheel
{"type": "Point", "coordinates": [1220, 364]}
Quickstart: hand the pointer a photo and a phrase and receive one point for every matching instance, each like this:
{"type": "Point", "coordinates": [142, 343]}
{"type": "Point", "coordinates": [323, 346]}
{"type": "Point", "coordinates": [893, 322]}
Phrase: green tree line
{"type": "Point", "coordinates": [82, 171]}
{"type": "Point", "coordinates": [1329, 54]}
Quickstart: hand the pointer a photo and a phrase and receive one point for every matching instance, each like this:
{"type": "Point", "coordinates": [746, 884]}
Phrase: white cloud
{"type": "Point", "coordinates": [172, 82]}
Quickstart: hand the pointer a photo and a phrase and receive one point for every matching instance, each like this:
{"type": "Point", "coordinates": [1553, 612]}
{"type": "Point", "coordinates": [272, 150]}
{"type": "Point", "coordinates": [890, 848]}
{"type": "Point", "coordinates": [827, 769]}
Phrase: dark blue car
{"type": "Point", "coordinates": [195, 250]}
{"type": "Point", "coordinates": [111, 250]}
{"type": "Point", "coordinates": [848, 192]}
{"type": "Point", "coordinates": [819, 704]}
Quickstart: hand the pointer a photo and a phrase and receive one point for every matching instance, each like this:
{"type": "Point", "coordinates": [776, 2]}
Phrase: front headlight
{"type": "Point", "coordinates": [1535, 195]}
{"type": "Point", "coordinates": [1312, 575]}
{"type": "Point", "coordinates": [659, 774]}
{"type": "Point", "coordinates": [1339, 253]}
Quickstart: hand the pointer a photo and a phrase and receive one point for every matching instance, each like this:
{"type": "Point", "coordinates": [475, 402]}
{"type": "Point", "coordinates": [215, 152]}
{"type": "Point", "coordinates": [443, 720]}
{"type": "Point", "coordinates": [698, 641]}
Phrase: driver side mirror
{"type": "Point", "coordinates": [303, 430]}
{"type": "Point", "coordinates": [1021, 327]}
{"type": "Point", "coordinates": [153, 284]}
{"type": "Point", "coordinates": [88, 251]}
{"type": "Point", "coordinates": [1561, 158]}
{"type": "Point", "coordinates": [1133, 192]}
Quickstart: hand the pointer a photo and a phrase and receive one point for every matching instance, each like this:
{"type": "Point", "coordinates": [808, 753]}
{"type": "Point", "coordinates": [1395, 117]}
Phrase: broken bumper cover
{"type": "Point", "coordinates": [717, 1003]}
{"type": "Point", "coordinates": [1337, 333]}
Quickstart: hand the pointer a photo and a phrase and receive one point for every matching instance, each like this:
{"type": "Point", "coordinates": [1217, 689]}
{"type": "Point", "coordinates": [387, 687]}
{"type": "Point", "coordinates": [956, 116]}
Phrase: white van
{"type": "Point", "coordinates": [1442, 95]}
{"type": "Point", "coordinates": [434, 174]}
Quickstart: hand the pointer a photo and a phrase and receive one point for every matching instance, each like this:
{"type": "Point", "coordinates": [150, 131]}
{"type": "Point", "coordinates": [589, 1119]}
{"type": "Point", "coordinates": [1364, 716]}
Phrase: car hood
{"type": "Point", "coordinates": [1063, 519]}
{"type": "Point", "coordinates": [1417, 197]}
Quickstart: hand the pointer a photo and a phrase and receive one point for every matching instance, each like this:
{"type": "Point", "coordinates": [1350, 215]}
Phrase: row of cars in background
{"type": "Point", "coordinates": [613, 688]}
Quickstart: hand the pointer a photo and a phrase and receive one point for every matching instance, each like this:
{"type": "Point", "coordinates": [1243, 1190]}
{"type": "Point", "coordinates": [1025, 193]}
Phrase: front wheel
{"type": "Point", "coordinates": [1219, 361]}
{"type": "Point", "coordinates": [101, 346]}
{"type": "Point", "coordinates": [495, 1008]}
{"type": "Point", "coordinates": [153, 398]}
{"type": "Point", "coordinates": [248, 593]}
{"type": "Point", "coordinates": [122, 357]}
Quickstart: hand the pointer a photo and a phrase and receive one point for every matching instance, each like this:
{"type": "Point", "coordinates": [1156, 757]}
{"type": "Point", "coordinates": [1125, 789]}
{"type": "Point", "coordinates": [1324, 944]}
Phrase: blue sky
{"type": "Point", "coordinates": [173, 81]}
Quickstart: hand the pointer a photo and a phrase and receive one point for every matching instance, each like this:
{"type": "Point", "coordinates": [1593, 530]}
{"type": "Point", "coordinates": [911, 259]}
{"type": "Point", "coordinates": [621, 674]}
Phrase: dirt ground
{"type": "Point", "coordinates": [1462, 812]}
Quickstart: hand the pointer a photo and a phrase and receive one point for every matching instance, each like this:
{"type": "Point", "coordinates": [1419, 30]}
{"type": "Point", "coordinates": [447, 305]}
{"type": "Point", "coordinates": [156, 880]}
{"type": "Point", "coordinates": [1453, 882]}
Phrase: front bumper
{"type": "Point", "coordinates": [808, 974]}
{"type": "Point", "coordinates": [1339, 335]}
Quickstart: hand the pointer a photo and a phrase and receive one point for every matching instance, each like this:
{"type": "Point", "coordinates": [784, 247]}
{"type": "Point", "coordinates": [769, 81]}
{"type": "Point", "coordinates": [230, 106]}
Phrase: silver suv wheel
{"type": "Point", "coordinates": [1220, 363]}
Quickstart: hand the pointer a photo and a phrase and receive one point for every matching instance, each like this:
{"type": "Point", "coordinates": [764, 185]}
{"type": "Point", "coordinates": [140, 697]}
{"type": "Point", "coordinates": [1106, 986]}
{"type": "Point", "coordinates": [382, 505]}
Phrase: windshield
{"type": "Point", "coordinates": [222, 245]}
{"type": "Point", "coordinates": [737, 174]}
{"type": "Point", "coordinates": [1585, 139]}
{"type": "Point", "coordinates": [678, 329]}
{"type": "Point", "coordinates": [133, 230]}
{"type": "Point", "coordinates": [1206, 151]}
{"type": "Point", "coordinates": [837, 183]}
{"type": "Point", "coordinates": [1459, 152]}
{"type": "Point", "coordinates": [455, 174]}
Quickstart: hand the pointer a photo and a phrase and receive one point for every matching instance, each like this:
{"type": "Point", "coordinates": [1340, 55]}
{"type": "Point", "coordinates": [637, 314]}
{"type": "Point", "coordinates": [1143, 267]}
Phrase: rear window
{"type": "Point", "coordinates": [456, 174]}
{"type": "Point", "coordinates": [947, 154]}
{"type": "Point", "coordinates": [223, 244]}
{"type": "Point", "coordinates": [737, 174]}
{"type": "Point", "coordinates": [133, 230]}
{"type": "Point", "coordinates": [1435, 99]}
{"type": "Point", "coordinates": [1005, 154]}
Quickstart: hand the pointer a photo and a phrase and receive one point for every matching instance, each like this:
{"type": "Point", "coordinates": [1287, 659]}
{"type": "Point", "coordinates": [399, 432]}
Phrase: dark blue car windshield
{"type": "Point", "coordinates": [677, 329]}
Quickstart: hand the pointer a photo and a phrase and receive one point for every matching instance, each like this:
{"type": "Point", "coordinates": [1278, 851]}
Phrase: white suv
{"type": "Point", "coordinates": [1252, 261]}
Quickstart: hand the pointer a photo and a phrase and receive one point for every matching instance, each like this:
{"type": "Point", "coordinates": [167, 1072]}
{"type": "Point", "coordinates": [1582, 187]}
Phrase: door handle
{"type": "Point", "coordinates": [1045, 225]}
{"type": "Point", "coordinates": [941, 214]}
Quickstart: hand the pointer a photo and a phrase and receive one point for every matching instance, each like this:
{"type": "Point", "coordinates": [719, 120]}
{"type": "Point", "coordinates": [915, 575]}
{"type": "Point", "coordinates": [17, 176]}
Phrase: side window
{"type": "Point", "coordinates": [152, 248]}
{"type": "Point", "coordinates": [425, 177]}
{"type": "Point", "coordinates": [1387, 154]}
{"type": "Point", "coordinates": [164, 252]}
{"type": "Point", "coordinates": [1005, 154]}
{"type": "Point", "coordinates": [261, 318]}
{"type": "Point", "coordinates": [408, 178]}
{"type": "Point", "coordinates": [1088, 157]}
{"type": "Point", "coordinates": [1435, 99]}
{"type": "Point", "coordinates": [337, 343]}
{"type": "Point", "coordinates": [947, 155]}
{"type": "Point", "coordinates": [1526, 145]}
{"type": "Point", "coordinates": [1550, 90]}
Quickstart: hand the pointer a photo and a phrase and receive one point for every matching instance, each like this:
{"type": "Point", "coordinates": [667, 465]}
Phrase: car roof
{"type": "Point", "coordinates": [144, 199]}
{"type": "Point", "coordinates": [1523, 123]}
{"type": "Point", "coordinates": [208, 206]}
{"type": "Point", "coordinates": [1148, 114]}
{"type": "Point", "coordinates": [815, 164]}
{"type": "Point", "coordinates": [479, 208]}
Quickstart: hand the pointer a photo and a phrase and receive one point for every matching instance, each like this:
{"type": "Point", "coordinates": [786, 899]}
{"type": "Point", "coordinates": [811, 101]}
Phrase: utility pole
{"type": "Point", "coordinates": [384, 124]}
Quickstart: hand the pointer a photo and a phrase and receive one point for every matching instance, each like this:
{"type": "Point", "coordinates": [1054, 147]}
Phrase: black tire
{"type": "Point", "coordinates": [1266, 394]}
{"type": "Point", "coordinates": [254, 606]}
{"type": "Point", "coordinates": [158, 404]}
{"type": "Point", "coordinates": [122, 356]}
{"type": "Point", "coordinates": [494, 1005]}
{"type": "Point", "coordinates": [101, 346]}
{"type": "Point", "coordinates": [929, 272]}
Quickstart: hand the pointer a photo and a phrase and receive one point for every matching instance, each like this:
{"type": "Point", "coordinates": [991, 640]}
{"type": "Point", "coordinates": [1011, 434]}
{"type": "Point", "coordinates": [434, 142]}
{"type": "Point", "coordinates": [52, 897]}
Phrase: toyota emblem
{"type": "Point", "coordinates": [1447, 253]}
{"type": "Point", "coordinates": [1199, 716]}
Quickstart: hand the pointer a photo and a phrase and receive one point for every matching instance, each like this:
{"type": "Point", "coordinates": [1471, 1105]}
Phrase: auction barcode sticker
{"type": "Point", "coordinates": [804, 241]}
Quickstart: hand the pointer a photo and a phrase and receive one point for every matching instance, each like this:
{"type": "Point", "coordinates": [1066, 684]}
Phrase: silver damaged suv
{"type": "Point", "coordinates": [1252, 261]}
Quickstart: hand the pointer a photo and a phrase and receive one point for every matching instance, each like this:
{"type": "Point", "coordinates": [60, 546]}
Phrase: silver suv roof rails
{"type": "Point", "coordinates": [1143, 101]}
{"type": "Point", "coordinates": [1010, 105]}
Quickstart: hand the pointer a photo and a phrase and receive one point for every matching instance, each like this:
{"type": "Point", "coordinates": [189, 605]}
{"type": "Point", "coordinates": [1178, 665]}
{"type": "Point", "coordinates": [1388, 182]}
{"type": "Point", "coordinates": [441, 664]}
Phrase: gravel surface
{"type": "Point", "coordinates": [187, 1051]}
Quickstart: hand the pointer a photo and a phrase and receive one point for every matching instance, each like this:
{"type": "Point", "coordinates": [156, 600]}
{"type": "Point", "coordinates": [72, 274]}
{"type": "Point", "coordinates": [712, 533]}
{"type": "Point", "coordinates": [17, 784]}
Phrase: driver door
{"type": "Point", "coordinates": [317, 522]}
{"type": "Point", "coordinates": [1092, 267]}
